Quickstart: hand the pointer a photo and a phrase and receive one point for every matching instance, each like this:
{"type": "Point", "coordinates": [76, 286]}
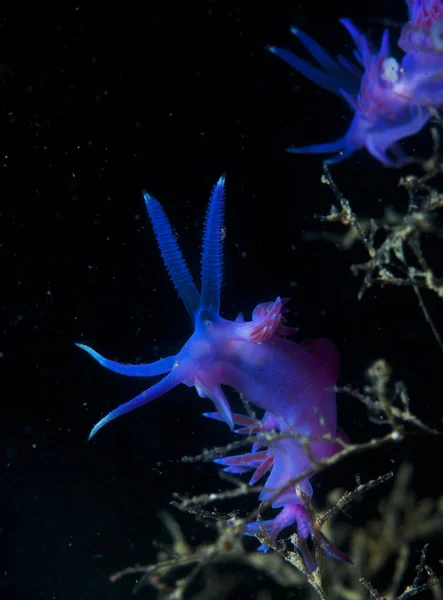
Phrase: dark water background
{"type": "Point", "coordinates": [97, 103]}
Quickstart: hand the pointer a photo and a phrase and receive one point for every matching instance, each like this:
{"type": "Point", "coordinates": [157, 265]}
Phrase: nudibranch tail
{"type": "Point", "coordinates": [282, 460]}
{"type": "Point", "coordinates": [172, 256]}
{"type": "Point", "coordinates": [212, 256]}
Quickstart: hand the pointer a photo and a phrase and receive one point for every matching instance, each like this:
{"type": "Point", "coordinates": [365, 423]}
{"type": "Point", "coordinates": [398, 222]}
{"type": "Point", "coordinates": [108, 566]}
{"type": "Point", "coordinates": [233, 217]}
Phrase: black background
{"type": "Point", "coordinates": [99, 102]}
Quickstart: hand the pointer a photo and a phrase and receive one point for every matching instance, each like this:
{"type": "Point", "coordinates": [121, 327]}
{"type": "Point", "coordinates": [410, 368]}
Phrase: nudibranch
{"type": "Point", "coordinates": [293, 383]}
{"type": "Point", "coordinates": [390, 100]}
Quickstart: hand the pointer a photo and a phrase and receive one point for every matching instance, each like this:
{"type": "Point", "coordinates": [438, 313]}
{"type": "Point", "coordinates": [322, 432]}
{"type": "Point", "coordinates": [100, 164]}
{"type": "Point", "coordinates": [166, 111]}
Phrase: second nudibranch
{"type": "Point", "coordinates": [391, 100]}
{"type": "Point", "coordinates": [291, 380]}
